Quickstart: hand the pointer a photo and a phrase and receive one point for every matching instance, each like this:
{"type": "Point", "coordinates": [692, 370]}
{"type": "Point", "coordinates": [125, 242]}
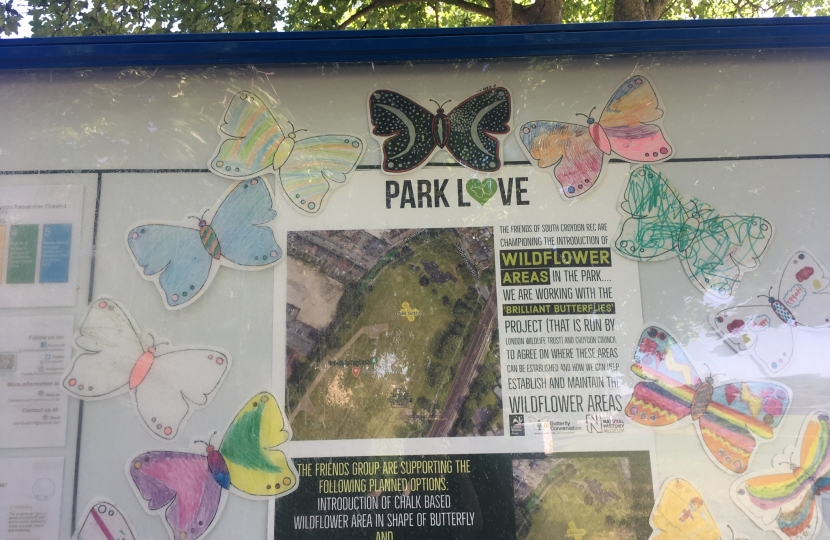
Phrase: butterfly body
{"type": "Point", "coordinates": [188, 488]}
{"type": "Point", "coordinates": [410, 133]}
{"type": "Point", "coordinates": [727, 423]}
{"type": "Point", "coordinates": [577, 152]}
{"type": "Point", "coordinates": [714, 250]}
{"type": "Point", "coordinates": [253, 143]}
{"type": "Point", "coordinates": [766, 330]}
{"type": "Point", "coordinates": [785, 500]}
{"type": "Point", "coordinates": [165, 386]}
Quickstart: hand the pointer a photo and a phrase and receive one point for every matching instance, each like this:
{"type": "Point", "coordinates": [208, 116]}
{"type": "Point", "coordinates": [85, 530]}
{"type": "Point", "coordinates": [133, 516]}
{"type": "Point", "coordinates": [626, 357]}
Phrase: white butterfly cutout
{"type": "Point", "coordinates": [166, 386]}
{"type": "Point", "coordinates": [104, 521]}
{"type": "Point", "coordinates": [765, 330]}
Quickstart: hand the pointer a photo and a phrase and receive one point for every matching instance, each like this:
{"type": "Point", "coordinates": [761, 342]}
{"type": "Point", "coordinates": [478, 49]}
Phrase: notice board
{"type": "Point", "coordinates": [551, 296]}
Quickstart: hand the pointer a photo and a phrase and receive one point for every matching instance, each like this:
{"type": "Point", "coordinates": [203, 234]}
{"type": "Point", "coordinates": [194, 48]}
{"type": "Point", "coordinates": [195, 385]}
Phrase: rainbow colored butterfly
{"type": "Point", "coordinates": [104, 521]}
{"type": "Point", "coordinates": [577, 152]}
{"type": "Point", "coordinates": [786, 499]}
{"type": "Point", "coordinates": [766, 330]}
{"type": "Point", "coordinates": [253, 143]}
{"type": "Point", "coordinates": [189, 489]}
{"type": "Point", "coordinates": [728, 418]}
{"type": "Point", "coordinates": [680, 513]}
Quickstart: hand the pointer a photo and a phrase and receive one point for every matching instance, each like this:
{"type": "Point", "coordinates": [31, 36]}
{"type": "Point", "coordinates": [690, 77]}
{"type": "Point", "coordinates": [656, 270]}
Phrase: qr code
{"type": "Point", "coordinates": [8, 362]}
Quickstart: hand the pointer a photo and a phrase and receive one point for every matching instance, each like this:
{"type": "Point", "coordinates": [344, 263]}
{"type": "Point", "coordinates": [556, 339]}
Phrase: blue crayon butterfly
{"type": "Point", "coordinates": [253, 143]}
{"type": "Point", "coordinates": [182, 260]}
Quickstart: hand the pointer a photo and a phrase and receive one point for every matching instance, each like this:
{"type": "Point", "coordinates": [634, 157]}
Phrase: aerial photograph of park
{"type": "Point", "coordinates": [392, 334]}
{"type": "Point", "coordinates": [607, 496]}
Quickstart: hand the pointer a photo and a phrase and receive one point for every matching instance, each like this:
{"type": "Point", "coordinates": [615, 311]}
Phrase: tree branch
{"type": "Point", "coordinates": [378, 4]}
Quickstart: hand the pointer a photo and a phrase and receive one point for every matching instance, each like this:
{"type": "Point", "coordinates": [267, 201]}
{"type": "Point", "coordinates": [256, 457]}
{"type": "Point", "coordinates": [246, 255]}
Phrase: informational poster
{"type": "Point", "coordinates": [30, 497]}
{"type": "Point", "coordinates": [39, 244]}
{"type": "Point", "coordinates": [33, 354]}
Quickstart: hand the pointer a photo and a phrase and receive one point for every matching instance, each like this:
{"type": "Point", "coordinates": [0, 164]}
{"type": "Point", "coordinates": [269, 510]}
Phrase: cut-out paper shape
{"type": "Point", "coordinates": [577, 152]}
{"type": "Point", "coordinates": [680, 513]}
{"type": "Point", "coordinates": [785, 499]}
{"type": "Point", "coordinates": [482, 190]}
{"type": "Point", "coordinates": [189, 489]}
{"type": "Point", "coordinates": [253, 143]}
{"type": "Point", "coordinates": [409, 133]}
{"type": "Point", "coordinates": [765, 329]}
{"type": "Point", "coordinates": [104, 521]}
{"type": "Point", "coordinates": [715, 250]}
{"type": "Point", "coordinates": [728, 418]}
{"type": "Point", "coordinates": [182, 260]}
{"type": "Point", "coordinates": [166, 384]}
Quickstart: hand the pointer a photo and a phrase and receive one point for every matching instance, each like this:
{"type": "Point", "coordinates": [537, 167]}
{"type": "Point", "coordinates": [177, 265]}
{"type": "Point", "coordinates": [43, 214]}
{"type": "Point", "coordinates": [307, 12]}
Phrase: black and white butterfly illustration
{"type": "Point", "coordinates": [411, 133]}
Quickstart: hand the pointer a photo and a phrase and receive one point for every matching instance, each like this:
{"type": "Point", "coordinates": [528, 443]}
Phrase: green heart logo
{"type": "Point", "coordinates": [480, 190]}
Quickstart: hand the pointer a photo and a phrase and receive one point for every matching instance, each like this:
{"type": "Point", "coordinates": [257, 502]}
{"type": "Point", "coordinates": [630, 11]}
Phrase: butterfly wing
{"type": "Point", "coordinates": [316, 162]}
{"type": "Point", "coordinates": [110, 347]}
{"type": "Point", "coordinates": [104, 521]}
{"type": "Point", "coordinates": [569, 148]}
{"type": "Point", "coordinates": [408, 127]}
{"type": "Point", "coordinates": [183, 484]}
{"type": "Point", "coordinates": [680, 513]}
{"type": "Point", "coordinates": [239, 225]}
{"type": "Point", "coordinates": [786, 502]}
{"type": "Point", "coordinates": [735, 413]}
{"type": "Point", "coordinates": [255, 465]}
{"type": "Point", "coordinates": [668, 395]}
{"type": "Point", "coordinates": [471, 125]}
{"type": "Point", "coordinates": [174, 258]}
{"type": "Point", "coordinates": [178, 383]}
{"type": "Point", "coordinates": [657, 216]}
{"type": "Point", "coordinates": [251, 136]}
{"type": "Point", "coordinates": [805, 289]}
{"type": "Point", "coordinates": [724, 248]}
{"type": "Point", "coordinates": [625, 122]}
{"type": "Point", "coordinates": [757, 330]}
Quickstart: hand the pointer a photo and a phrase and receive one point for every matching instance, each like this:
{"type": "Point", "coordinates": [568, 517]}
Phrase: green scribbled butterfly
{"type": "Point", "coordinates": [715, 250]}
{"type": "Point", "coordinates": [253, 143]}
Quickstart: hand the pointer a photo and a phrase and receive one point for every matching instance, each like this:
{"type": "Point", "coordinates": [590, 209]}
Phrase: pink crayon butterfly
{"type": "Point", "coordinates": [728, 418]}
{"type": "Point", "coordinates": [577, 152]}
{"type": "Point", "coordinates": [786, 499]}
{"type": "Point", "coordinates": [765, 329]}
{"type": "Point", "coordinates": [166, 385]}
{"type": "Point", "coordinates": [189, 488]}
{"type": "Point", "coordinates": [104, 521]}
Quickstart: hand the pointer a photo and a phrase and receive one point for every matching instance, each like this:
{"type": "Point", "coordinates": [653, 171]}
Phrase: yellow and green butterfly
{"type": "Point", "coordinates": [190, 488]}
{"type": "Point", "coordinates": [253, 143]}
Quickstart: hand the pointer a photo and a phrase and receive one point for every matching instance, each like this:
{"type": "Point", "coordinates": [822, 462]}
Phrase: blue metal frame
{"type": "Point", "coordinates": [424, 44]}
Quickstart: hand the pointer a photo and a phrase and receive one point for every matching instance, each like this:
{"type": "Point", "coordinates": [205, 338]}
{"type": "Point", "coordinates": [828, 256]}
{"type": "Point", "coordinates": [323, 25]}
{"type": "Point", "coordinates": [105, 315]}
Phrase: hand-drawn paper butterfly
{"type": "Point", "coordinates": [410, 133]}
{"type": "Point", "coordinates": [681, 514]}
{"type": "Point", "coordinates": [729, 417]}
{"type": "Point", "coordinates": [166, 385]}
{"type": "Point", "coordinates": [253, 143]}
{"type": "Point", "coordinates": [786, 499]}
{"type": "Point", "coordinates": [188, 488]}
{"type": "Point", "coordinates": [765, 330]}
{"type": "Point", "coordinates": [577, 152]}
{"type": "Point", "coordinates": [104, 521]}
{"type": "Point", "coordinates": [183, 260]}
{"type": "Point", "coordinates": [715, 250]}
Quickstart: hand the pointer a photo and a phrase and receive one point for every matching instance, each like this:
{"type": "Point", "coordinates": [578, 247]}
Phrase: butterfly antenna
{"type": "Point", "coordinates": [440, 105]}
{"type": "Point", "coordinates": [731, 531]}
{"type": "Point", "coordinates": [589, 115]}
{"type": "Point", "coordinates": [211, 438]}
